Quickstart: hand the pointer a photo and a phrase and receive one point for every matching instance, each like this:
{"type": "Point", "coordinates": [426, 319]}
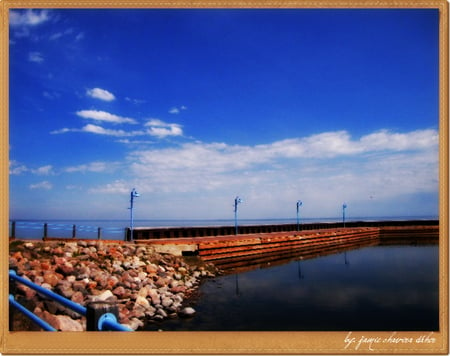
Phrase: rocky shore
{"type": "Point", "coordinates": [147, 287]}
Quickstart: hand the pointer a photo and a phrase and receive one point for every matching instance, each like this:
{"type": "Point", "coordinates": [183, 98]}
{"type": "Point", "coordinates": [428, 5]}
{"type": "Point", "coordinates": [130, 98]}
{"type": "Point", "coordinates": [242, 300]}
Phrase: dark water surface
{"type": "Point", "coordinates": [381, 288]}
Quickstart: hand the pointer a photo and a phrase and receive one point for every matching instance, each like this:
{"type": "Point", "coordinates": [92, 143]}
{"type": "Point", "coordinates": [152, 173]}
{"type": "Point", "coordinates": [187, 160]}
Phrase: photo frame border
{"type": "Point", "coordinates": [221, 342]}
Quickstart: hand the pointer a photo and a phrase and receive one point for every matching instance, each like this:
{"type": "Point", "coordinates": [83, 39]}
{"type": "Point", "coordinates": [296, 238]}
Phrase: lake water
{"type": "Point", "coordinates": [381, 288]}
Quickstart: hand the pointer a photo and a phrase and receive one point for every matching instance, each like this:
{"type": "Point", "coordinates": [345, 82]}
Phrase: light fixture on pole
{"type": "Point", "coordinates": [299, 204]}
{"type": "Point", "coordinates": [134, 194]}
{"type": "Point", "coordinates": [344, 206]}
{"type": "Point", "coordinates": [237, 201]}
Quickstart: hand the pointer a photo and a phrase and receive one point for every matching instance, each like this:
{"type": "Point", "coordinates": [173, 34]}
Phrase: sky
{"type": "Point", "coordinates": [195, 107]}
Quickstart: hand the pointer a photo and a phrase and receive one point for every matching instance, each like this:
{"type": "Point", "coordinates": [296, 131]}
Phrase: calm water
{"type": "Point", "coordinates": [382, 288]}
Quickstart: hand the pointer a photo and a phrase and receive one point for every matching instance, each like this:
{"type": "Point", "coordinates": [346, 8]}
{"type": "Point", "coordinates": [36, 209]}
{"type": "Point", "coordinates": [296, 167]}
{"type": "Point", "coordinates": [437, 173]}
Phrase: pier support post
{"type": "Point", "coordinates": [74, 231]}
{"type": "Point", "coordinates": [13, 230]}
{"type": "Point", "coordinates": [45, 230]}
{"type": "Point", "coordinates": [99, 233]}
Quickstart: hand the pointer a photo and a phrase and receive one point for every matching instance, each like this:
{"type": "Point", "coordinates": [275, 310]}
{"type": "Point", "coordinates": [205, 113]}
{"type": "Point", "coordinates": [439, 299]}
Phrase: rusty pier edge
{"type": "Point", "coordinates": [308, 242]}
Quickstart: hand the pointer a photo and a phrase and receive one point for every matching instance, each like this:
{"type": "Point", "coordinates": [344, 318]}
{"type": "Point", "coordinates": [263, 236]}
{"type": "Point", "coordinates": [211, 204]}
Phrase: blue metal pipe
{"type": "Point", "coordinates": [41, 323]}
{"type": "Point", "coordinates": [108, 322]}
{"type": "Point", "coordinates": [66, 302]}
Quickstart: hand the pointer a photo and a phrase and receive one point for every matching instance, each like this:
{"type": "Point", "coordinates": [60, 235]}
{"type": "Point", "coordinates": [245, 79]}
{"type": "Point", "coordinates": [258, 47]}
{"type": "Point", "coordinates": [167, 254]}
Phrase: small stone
{"type": "Point", "coordinates": [120, 292]}
{"type": "Point", "coordinates": [58, 251]}
{"type": "Point", "coordinates": [82, 243]}
{"type": "Point", "coordinates": [166, 302]}
{"type": "Point", "coordinates": [77, 297]}
{"type": "Point", "coordinates": [103, 296]}
{"type": "Point", "coordinates": [187, 312]}
{"type": "Point", "coordinates": [28, 245]}
{"type": "Point", "coordinates": [135, 324]}
{"type": "Point", "coordinates": [45, 265]}
{"type": "Point", "coordinates": [52, 278]}
{"type": "Point", "coordinates": [161, 282]}
{"type": "Point", "coordinates": [142, 301]}
{"type": "Point", "coordinates": [39, 280]}
{"type": "Point", "coordinates": [162, 313]}
{"type": "Point", "coordinates": [151, 268]}
{"type": "Point", "coordinates": [79, 285]}
{"type": "Point", "coordinates": [178, 289]}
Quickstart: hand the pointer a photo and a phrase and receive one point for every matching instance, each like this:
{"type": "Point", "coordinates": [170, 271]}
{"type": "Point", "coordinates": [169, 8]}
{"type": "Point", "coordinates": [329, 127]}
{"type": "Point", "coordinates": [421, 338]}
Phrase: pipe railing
{"type": "Point", "coordinates": [105, 321]}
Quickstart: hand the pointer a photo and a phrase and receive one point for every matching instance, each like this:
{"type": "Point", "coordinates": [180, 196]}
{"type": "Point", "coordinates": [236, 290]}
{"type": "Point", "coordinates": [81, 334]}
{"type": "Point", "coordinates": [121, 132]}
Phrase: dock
{"type": "Point", "coordinates": [216, 248]}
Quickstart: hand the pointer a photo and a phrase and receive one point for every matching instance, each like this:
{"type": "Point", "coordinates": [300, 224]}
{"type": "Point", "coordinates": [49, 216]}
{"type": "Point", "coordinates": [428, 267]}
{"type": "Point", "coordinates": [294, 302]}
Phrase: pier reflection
{"type": "Point", "coordinates": [245, 264]}
{"type": "Point", "coordinates": [242, 264]}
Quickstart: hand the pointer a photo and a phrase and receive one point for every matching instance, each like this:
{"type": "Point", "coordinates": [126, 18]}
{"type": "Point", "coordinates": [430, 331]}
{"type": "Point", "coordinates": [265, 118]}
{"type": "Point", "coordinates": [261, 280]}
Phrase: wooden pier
{"type": "Point", "coordinates": [246, 247]}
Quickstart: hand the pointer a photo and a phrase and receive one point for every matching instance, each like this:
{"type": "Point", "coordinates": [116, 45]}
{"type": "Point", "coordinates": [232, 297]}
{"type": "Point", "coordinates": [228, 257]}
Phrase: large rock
{"type": "Point", "coordinates": [61, 322]}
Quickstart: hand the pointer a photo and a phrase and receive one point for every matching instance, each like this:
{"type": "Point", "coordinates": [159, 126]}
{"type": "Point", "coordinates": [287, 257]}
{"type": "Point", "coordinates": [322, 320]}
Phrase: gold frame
{"type": "Point", "coordinates": [223, 342]}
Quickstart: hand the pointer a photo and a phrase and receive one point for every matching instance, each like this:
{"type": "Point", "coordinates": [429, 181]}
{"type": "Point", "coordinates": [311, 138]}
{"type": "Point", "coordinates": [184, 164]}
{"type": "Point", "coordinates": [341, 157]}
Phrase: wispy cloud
{"type": "Point", "coordinates": [118, 186]}
{"type": "Point", "coordinates": [36, 57]}
{"type": "Point", "coordinates": [28, 17]}
{"type": "Point", "coordinates": [96, 167]}
{"type": "Point", "coordinates": [16, 168]}
{"type": "Point", "coordinates": [99, 130]}
{"type": "Point", "coordinates": [44, 170]}
{"type": "Point", "coordinates": [177, 110]}
{"type": "Point", "coordinates": [45, 185]}
{"type": "Point", "coordinates": [101, 94]}
{"type": "Point", "coordinates": [60, 34]}
{"type": "Point", "coordinates": [105, 117]}
{"type": "Point", "coordinates": [162, 129]}
{"type": "Point", "coordinates": [135, 101]}
{"type": "Point", "coordinates": [79, 36]}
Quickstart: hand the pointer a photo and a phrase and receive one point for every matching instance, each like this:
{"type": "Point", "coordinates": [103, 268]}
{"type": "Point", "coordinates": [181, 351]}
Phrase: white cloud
{"type": "Point", "coordinates": [96, 167]}
{"type": "Point", "coordinates": [44, 170]}
{"type": "Point", "coordinates": [15, 168]}
{"type": "Point", "coordinates": [28, 17]}
{"type": "Point", "coordinates": [45, 185]}
{"type": "Point", "coordinates": [135, 101]}
{"type": "Point", "coordinates": [118, 186]}
{"type": "Point", "coordinates": [323, 170]}
{"type": "Point", "coordinates": [127, 141]}
{"type": "Point", "coordinates": [105, 117]}
{"type": "Point", "coordinates": [63, 130]}
{"type": "Point", "coordinates": [101, 94]}
{"type": "Point", "coordinates": [35, 57]}
{"type": "Point", "coordinates": [99, 130]}
{"type": "Point", "coordinates": [162, 129]}
{"type": "Point", "coordinates": [176, 110]}
{"type": "Point", "coordinates": [108, 132]}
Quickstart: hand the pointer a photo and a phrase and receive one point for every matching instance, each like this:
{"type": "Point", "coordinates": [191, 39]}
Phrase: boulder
{"type": "Point", "coordinates": [61, 322]}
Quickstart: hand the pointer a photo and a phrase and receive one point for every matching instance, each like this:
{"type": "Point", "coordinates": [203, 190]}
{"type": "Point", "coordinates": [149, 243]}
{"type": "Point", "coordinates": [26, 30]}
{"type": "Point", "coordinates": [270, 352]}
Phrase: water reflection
{"type": "Point", "coordinates": [377, 288]}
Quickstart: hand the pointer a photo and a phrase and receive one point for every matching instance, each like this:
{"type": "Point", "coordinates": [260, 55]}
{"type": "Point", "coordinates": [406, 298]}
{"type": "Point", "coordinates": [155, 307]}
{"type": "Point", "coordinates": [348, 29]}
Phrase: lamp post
{"type": "Point", "coordinates": [237, 201]}
{"type": "Point", "coordinates": [299, 204]}
{"type": "Point", "coordinates": [344, 206]}
{"type": "Point", "coordinates": [134, 194]}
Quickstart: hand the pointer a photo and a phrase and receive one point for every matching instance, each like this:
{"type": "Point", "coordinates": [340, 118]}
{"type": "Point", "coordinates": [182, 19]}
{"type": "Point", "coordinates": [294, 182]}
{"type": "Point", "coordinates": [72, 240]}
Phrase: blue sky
{"type": "Point", "coordinates": [195, 107]}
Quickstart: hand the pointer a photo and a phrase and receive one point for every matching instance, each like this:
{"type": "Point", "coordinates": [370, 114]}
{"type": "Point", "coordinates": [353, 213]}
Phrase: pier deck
{"type": "Point", "coordinates": [211, 248]}
{"type": "Point", "coordinates": [216, 248]}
